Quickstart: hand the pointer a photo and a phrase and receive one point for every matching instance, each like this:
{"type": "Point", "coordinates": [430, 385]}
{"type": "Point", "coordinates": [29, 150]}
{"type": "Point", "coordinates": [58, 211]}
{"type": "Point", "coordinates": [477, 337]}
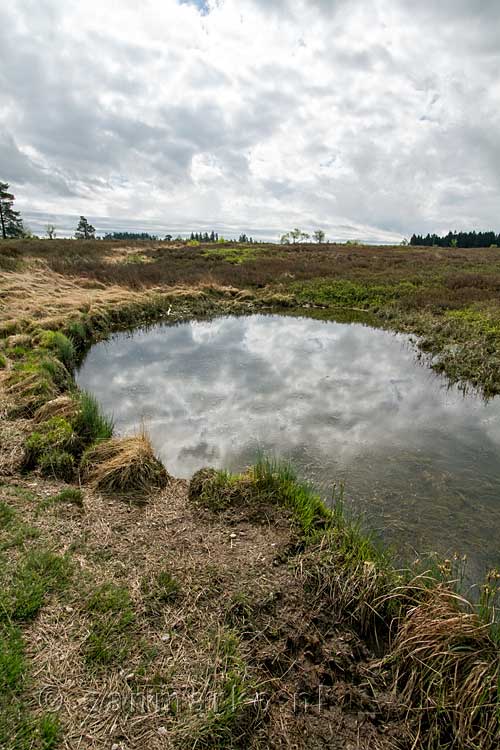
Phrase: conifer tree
{"type": "Point", "coordinates": [11, 224]}
{"type": "Point", "coordinates": [84, 230]}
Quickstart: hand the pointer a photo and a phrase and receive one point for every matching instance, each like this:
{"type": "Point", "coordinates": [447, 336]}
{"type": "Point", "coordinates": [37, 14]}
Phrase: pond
{"type": "Point", "coordinates": [346, 403]}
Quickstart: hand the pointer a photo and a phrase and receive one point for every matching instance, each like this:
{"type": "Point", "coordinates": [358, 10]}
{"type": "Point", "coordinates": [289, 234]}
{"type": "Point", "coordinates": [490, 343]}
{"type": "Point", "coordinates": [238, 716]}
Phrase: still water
{"type": "Point", "coordinates": [346, 403]}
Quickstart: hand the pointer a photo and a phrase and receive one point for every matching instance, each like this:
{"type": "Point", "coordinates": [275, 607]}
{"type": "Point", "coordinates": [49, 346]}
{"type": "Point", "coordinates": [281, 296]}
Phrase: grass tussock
{"type": "Point", "coordinates": [269, 483]}
{"type": "Point", "coordinates": [124, 464]}
{"type": "Point", "coordinates": [446, 672]}
{"type": "Point", "coordinates": [347, 571]}
{"type": "Point", "coordinates": [51, 448]}
{"type": "Point", "coordinates": [66, 426]}
{"type": "Point", "coordinates": [440, 653]}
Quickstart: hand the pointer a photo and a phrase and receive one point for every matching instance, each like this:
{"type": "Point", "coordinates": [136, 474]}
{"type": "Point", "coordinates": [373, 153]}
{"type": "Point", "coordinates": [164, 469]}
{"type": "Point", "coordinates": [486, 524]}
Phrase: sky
{"type": "Point", "coordinates": [369, 119]}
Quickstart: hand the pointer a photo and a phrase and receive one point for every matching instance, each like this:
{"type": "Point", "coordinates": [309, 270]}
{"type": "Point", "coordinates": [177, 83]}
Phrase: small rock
{"type": "Point", "coordinates": [165, 637]}
{"type": "Point", "coordinates": [130, 676]}
{"type": "Point", "coordinates": [116, 747]}
{"type": "Point", "coordinates": [233, 536]}
{"type": "Point", "coordinates": [162, 731]}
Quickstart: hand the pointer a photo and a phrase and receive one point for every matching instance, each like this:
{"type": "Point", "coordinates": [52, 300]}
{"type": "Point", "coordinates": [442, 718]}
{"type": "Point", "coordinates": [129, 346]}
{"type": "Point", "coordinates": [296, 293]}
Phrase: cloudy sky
{"type": "Point", "coordinates": [370, 119]}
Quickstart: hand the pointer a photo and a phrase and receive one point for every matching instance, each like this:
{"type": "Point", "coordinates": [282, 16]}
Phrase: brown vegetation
{"type": "Point", "coordinates": [236, 612]}
{"type": "Point", "coordinates": [125, 464]}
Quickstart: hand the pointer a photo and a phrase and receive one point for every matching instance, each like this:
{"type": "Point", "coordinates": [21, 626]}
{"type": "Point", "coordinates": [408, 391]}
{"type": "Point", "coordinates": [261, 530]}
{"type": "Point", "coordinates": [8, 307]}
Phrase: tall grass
{"type": "Point", "coordinates": [276, 481]}
{"type": "Point", "coordinates": [62, 347]}
{"type": "Point", "coordinates": [90, 423]}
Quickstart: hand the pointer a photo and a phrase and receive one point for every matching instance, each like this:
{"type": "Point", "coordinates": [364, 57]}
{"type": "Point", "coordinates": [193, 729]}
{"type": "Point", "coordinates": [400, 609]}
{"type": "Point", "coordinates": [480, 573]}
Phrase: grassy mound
{"type": "Point", "coordinates": [124, 465]}
{"type": "Point", "coordinates": [51, 448]}
{"type": "Point", "coordinates": [268, 482]}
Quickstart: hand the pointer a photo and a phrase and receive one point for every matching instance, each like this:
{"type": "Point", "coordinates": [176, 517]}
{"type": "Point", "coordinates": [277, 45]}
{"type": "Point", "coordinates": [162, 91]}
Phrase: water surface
{"type": "Point", "coordinates": [345, 402]}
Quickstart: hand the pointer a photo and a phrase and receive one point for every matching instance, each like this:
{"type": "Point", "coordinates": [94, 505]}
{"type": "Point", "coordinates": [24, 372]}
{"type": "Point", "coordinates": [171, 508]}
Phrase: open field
{"type": "Point", "coordinates": [138, 610]}
{"type": "Point", "coordinates": [448, 296]}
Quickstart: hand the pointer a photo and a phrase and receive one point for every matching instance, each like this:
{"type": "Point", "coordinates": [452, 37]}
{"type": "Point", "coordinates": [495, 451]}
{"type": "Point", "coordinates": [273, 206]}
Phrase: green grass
{"type": "Point", "coordinates": [235, 254]}
{"type": "Point", "coordinates": [12, 661]}
{"type": "Point", "coordinates": [346, 293]}
{"type": "Point", "coordinates": [26, 582]}
{"type": "Point", "coordinates": [3, 361]}
{"type": "Point", "coordinates": [13, 531]}
{"type": "Point", "coordinates": [111, 616]}
{"type": "Point", "coordinates": [71, 496]}
{"type": "Point", "coordinates": [58, 464]}
{"type": "Point", "coordinates": [19, 729]}
{"type": "Point", "coordinates": [270, 482]}
{"type": "Point", "coordinates": [276, 481]}
{"type": "Point", "coordinates": [161, 591]}
{"type": "Point", "coordinates": [31, 385]}
{"type": "Point", "coordinates": [234, 712]}
{"type": "Point", "coordinates": [91, 424]}
{"type": "Point", "coordinates": [17, 351]}
{"type": "Point", "coordinates": [78, 332]}
{"type": "Point", "coordinates": [25, 589]}
{"type": "Point", "coordinates": [57, 444]}
{"type": "Point", "coordinates": [61, 346]}
{"type": "Point", "coordinates": [7, 515]}
{"type": "Point", "coordinates": [50, 447]}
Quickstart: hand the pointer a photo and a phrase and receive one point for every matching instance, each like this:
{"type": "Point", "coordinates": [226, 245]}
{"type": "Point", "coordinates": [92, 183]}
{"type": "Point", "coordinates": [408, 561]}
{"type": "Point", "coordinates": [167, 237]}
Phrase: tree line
{"type": "Point", "coordinates": [11, 226]}
{"type": "Point", "coordinates": [214, 237]}
{"type": "Point", "coordinates": [457, 239]}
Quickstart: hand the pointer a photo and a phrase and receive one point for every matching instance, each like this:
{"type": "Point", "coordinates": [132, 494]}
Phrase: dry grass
{"type": "Point", "coordinates": [239, 623]}
{"type": "Point", "coordinates": [62, 406]}
{"type": "Point", "coordinates": [253, 608]}
{"type": "Point", "coordinates": [446, 672]}
{"type": "Point", "coordinates": [124, 464]}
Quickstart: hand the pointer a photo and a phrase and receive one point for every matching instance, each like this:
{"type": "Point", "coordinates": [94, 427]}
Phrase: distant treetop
{"type": "Point", "coordinates": [130, 236]}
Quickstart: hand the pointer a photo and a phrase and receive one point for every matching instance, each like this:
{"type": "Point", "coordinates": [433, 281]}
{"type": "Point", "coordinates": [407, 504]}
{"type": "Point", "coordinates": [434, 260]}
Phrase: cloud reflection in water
{"type": "Point", "coordinates": [347, 403]}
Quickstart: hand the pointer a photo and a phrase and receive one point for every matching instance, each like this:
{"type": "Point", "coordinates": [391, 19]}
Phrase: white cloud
{"type": "Point", "coordinates": [382, 116]}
